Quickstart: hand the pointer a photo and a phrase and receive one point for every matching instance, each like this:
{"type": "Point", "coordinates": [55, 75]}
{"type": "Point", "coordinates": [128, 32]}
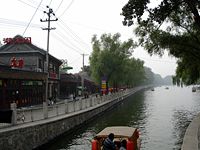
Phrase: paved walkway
{"type": "Point", "coordinates": [36, 113]}
{"type": "Point", "coordinates": [191, 139]}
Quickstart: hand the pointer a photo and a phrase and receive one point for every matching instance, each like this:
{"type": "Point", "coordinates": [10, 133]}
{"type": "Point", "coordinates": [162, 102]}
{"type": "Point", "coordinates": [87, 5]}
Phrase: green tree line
{"type": "Point", "coordinates": [112, 59]}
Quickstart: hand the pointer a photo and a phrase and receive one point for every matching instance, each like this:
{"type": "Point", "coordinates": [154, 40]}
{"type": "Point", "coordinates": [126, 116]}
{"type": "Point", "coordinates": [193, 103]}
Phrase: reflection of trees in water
{"type": "Point", "coordinates": [181, 120]}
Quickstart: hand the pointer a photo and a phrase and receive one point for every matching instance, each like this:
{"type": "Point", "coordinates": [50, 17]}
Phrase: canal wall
{"type": "Point", "coordinates": [192, 135]}
{"type": "Point", "coordinates": [32, 135]}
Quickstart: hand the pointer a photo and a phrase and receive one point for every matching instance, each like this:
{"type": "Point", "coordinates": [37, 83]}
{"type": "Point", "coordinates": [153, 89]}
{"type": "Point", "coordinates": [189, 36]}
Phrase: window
{"type": "Point", "coordinates": [40, 63]}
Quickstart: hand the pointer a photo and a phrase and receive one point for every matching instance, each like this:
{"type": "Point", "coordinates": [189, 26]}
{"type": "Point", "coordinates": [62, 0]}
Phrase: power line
{"type": "Point", "coordinates": [59, 5]}
{"type": "Point", "coordinates": [50, 2]}
{"type": "Point", "coordinates": [74, 39]}
{"type": "Point", "coordinates": [35, 3]}
{"type": "Point", "coordinates": [75, 60]}
{"type": "Point", "coordinates": [74, 35]}
{"type": "Point", "coordinates": [60, 40]}
{"type": "Point", "coordinates": [66, 8]}
{"type": "Point", "coordinates": [28, 4]}
{"type": "Point", "coordinates": [64, 43]}
{"type": "Point", "coordinates": [32, 17]}
{"type": "Point", "coordinates": [64, 37]}
{"type": "Point", "coordinates": [17, 23]}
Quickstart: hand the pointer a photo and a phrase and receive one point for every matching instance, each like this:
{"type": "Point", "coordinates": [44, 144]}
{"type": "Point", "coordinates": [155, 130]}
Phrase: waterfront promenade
{"type": "Point", "coordinates": [36, 113]}
{"type": "Point", "coordinates": [191, 140]}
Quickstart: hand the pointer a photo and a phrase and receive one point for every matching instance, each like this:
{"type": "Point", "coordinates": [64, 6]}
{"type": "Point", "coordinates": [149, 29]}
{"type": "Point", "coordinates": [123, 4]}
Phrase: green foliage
{"type": "Point", "coordinates": [172, 25]}
{"type": "Point", "coordinates": [111, 59]}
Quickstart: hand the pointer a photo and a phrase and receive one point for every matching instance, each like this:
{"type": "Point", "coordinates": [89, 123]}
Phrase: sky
{"type": "Point", "coordinates": [78, 21]}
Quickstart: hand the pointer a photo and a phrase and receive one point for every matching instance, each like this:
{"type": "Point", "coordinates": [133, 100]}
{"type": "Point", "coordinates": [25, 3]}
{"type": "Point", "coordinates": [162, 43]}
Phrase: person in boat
{"type": "Point", "coordinates": [123, 145]}
{"type": "Point", "coordinates": [108, 144]}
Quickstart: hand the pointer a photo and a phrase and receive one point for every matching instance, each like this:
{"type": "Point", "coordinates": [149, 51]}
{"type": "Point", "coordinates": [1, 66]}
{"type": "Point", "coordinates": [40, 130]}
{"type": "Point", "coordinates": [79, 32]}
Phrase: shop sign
{"type": "Point", "coordinates": [103, 83]}
{"type": "Point", "coordinates": [17, 40]}
{"type": "Point", "coordinates": [17, 63]}
{"type": "Point", "coordinates": [52, 75]}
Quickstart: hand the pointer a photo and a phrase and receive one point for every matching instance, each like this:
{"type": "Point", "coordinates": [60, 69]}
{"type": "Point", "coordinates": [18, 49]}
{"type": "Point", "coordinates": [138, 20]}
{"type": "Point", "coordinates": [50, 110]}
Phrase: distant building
{"type": "Point", "coordinates": [71, 84]}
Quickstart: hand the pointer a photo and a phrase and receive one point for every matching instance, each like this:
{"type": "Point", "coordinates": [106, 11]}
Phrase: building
{"type": "Point", "coordinates": [20, 54]}
{"type": "Point", "coordinates": [71, 84]}
{"type": "Point", "coordinates": [22, 87]}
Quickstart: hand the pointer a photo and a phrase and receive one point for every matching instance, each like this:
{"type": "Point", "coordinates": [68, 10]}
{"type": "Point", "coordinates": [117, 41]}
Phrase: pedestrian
{"type": "Point", "coordinates": [108, 144]}
{"type": "Point", "coordinates": [123, 145]}
{"type": "Point", "coordinates": [74, 96]}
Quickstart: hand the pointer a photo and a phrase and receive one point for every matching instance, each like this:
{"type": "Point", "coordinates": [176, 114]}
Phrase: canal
{"type": "Point", "coordinates": [162, 117]}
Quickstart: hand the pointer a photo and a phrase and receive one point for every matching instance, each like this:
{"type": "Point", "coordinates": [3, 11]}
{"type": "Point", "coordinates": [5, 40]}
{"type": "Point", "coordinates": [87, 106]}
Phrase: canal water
{"type": "Point", "coordinates": [162, 117]}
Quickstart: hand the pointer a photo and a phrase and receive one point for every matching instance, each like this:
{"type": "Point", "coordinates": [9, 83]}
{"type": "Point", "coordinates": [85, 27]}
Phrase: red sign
{"type": "Point", "coordinates": [17, 63]}
{"type": "Point", "coordinates": [18, 40]}
{"type": "Point", "coordinates": [52, 75]}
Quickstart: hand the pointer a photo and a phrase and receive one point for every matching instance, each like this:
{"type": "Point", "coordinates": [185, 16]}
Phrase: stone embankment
{"type": "Point", "coordinates": [192, 135]}
{"type": "Point", "coordinates": [30, 135]}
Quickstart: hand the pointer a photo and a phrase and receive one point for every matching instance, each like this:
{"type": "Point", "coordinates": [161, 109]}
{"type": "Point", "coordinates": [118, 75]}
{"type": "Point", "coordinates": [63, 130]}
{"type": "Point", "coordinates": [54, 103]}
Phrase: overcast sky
{"type": "Point", "coordinates": [78, 21]}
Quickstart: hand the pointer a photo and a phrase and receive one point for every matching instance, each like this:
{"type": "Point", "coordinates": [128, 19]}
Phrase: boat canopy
{"type": "Point", "coordinates": [118, 131]}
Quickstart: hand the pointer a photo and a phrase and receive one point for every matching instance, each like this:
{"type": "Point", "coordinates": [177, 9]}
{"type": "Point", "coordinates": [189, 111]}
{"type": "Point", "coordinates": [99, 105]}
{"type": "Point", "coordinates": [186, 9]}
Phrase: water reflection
{"type": "Point", "coordinates": [161, 115]}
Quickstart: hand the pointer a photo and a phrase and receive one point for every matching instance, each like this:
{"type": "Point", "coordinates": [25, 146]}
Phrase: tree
{"type": "Point", "coordinates": [173, 25]}
{"type": "Point", "coordinates": [134, 73]}
{"type": "Point", "coordinates": [165, 10]}
{"type": "Point", "coordinates": [111, 59]}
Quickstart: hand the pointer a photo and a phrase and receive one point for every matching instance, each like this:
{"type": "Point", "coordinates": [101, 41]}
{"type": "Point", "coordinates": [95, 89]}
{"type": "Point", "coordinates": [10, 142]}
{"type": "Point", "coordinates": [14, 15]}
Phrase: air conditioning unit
{"type": "Point", "coordinates": [38, 69]}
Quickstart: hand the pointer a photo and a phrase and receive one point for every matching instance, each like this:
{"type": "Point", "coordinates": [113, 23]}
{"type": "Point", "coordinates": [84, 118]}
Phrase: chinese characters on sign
{"type": "Point", "coordinates": [17, 63]}
{"type": "Point", "coordinates": [18, 40]}
{"type": "Point", "coordinates": [52, 75]}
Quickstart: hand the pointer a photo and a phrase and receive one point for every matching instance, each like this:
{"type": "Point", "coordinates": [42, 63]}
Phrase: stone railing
{"type": "Point", "coordinates": [35, 113]}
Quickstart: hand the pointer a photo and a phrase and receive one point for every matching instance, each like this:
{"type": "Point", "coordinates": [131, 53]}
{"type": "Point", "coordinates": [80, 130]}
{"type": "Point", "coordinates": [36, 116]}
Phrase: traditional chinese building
{"type": "Point", "coordinates": [22, 87]}
{"type": "Point", "coordinates": [20, 54]}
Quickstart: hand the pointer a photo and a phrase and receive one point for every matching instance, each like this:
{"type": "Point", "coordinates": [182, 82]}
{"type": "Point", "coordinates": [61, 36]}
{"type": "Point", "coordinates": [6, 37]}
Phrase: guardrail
{"type": "Point", "coordinates": [36, 113]}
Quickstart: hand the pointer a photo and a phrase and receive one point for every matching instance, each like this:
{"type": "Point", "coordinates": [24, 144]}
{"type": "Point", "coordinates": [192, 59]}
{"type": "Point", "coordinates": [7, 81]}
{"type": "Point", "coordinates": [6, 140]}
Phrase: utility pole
{"type": "Point", "coordinates": [49, 15]}
{"type": "Point", "coordinates": [82, 79]}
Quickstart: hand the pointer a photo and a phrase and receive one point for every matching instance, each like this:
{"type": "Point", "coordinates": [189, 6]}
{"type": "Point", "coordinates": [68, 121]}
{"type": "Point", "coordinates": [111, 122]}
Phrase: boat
{"type": "Point", "coordinates": [167, 88]}
{"type": "Point", "coordinates": [130, 134]}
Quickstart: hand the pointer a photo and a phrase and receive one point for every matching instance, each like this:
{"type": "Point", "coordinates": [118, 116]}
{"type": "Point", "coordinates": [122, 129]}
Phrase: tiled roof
{"type": "Point", "coordinates": [25, 47]}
